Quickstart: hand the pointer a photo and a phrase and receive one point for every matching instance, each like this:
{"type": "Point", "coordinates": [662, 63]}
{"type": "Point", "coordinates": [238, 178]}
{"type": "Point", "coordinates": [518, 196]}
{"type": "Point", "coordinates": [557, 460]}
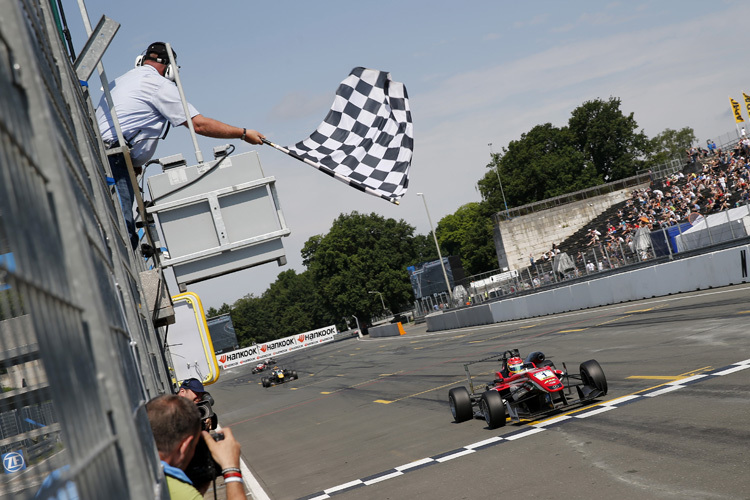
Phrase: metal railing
{"type": "Point", "coordinates": [565, 199]}
{"type": "Point", "coordinates": [667, 242]}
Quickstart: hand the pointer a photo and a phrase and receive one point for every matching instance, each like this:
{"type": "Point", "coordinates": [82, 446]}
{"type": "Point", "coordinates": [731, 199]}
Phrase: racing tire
{"type": "Point", "coordinates": [460, 403]}
{"type": "Point", "coordinates": [265, 382]}
{"type": "Point", "coordinates": [493, 409]}
{"type": "Point", "coordinates": [593, 375]}
{"type": "Point", "coordinates": [294, 375]}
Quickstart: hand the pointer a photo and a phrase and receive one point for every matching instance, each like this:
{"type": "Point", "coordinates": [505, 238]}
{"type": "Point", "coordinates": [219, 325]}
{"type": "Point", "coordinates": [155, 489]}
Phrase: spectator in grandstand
{"type": "Point", "coordinates": [175, 422]}
{"type": "Point", "coordinates": [146, 99]}
{"type": "Point", "coordinates": [593, 236]}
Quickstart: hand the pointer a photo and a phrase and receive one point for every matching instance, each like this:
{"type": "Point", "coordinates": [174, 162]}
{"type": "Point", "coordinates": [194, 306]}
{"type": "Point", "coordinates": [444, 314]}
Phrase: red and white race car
{"type": "Point", "coordinates": [264, 365]}
{"type": "Point", "coordinates": [525, 389]}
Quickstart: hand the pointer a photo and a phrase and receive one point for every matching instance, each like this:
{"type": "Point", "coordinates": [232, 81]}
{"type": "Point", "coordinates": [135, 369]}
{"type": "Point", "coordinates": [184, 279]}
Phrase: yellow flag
{"type": "Point", "coordinates": [736, 110]}
{"type": "Point", "coordinates": [747, 102]}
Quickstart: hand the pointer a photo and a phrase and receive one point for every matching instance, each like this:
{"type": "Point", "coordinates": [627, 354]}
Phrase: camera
{"type": "Point", "coordinates": [209, 419]}
{"type": "Point", "coordinates": [202, 469]}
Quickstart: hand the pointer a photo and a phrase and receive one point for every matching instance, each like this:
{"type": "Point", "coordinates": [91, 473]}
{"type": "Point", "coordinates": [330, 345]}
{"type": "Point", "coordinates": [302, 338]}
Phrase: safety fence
{"type": "Point", "coordinates": [79, 355]}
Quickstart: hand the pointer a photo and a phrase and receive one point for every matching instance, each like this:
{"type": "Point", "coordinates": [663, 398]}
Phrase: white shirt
{"type": "Point", "coordinates": [144, 100]}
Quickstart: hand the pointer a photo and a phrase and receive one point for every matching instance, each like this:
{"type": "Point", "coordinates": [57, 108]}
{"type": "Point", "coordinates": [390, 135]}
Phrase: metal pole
{"type": "Point", "coordinates": [381, 299]}
{"type": "Point", "coordinates": [359, 330]}
{"type": "Point", "coordinates": [440, 256]}
{"type": "Point", "coordinates": [178, 82]}
{"type": "Point", "coordinates": [497, 172]}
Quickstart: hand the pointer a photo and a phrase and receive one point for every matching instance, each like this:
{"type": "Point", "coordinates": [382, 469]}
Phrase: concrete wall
{"type": "Point", "coordinates": [535, 233]}
{"type": "Point", "coordinates": [390, 330]}
{"type": "Point", "coordinates": [716, 269]}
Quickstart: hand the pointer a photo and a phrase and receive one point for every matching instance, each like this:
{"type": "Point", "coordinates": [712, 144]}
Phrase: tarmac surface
{"type": "Point", "coordinates": [369, 419]}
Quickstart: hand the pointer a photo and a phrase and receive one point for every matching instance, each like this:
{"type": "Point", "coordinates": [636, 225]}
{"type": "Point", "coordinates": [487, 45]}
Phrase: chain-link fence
{"type": "Point", "coordinates": [79, 355]}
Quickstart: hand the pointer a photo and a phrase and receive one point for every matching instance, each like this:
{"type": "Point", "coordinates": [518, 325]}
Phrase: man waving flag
{"type": "Point", "coordinates": [367, 138]}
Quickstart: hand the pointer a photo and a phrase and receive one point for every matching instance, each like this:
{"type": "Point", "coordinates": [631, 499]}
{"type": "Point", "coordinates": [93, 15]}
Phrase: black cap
{"type": "Point", "coordinates": [160, 49]}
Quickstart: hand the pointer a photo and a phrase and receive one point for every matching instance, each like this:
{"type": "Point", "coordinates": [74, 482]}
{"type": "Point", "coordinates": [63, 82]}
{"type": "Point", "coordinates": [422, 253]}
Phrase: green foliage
{"type": "Point", "coordinates": [671, 144]}
{"type": "Point", "coordinates": [362, 253]}
{"type": "Point", "coordinates": [212, 312]}
{"type": "Point", "coordinates": [468, 233]}
{"type": "Point", "coordinates": [543, 163]}
{"type": "Point", "coordinates": [424, 249]}
{"type": "Point", "coordinates": [608, 140]}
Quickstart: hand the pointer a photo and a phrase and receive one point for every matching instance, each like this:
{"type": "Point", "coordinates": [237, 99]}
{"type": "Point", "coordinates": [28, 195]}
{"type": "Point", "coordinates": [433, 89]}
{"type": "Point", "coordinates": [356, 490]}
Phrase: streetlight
{"type": "Point", "coordinates": [440, 256]}
{"type": "Point", "coordinates": [497, 172]}
{"type": "Point", "coordinates": [381, 298]}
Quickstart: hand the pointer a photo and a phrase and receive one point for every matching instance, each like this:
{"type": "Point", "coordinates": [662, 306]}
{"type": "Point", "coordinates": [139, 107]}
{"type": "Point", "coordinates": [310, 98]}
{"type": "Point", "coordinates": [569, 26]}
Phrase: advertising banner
{"type": "Point", "coordinates": [259, 352]}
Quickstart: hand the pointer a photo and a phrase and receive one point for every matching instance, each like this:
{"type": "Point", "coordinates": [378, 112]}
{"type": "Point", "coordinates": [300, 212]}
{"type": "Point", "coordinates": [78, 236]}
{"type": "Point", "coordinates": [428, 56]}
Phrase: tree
{"type": "Point", "coordinates": [542, 164]}
{"type": "Point", "coordinates": [671, 144]}
{"type": "Point", "coordinates": [467, 233]}
{"type": "Point", "coordinates": [212, 312]}
{"type": "Point", "coordinates": [362, 253]}
{"type": "Point", "coordinates": [608, 139]}
{"type": "Point", "coordinates": [293, 304]}
{"type": "Point", "coordinates": [252, 323]}
{"type": "Point", "coordinates": [424, 249]}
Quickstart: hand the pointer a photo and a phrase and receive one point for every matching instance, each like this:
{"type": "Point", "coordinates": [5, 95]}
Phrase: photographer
{"type": "Point", "coordinates": [176, 424]}
{"type": "Point", "coordinates": [193, 389]}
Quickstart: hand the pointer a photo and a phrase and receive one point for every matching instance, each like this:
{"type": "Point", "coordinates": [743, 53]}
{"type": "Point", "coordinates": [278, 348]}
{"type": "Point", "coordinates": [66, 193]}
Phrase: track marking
{"type": "Point", "coordinates": [383, 401]}
{"type": "Point", "coordinates": [536, 427]}
{"type": "Point", "coordinates": [654, 377]}
{"type": "Point", "coordinates": [573, 330]}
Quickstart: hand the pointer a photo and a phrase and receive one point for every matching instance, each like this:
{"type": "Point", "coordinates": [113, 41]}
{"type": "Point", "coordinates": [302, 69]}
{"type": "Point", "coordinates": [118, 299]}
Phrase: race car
{"type": "Point", "coordinates": [279, 376]}
{"type": "Point", "coordinates": [264, 365]}
{"type": "Point", "coordinates": [525, 389]}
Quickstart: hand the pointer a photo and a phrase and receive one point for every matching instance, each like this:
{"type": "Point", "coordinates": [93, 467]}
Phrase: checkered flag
{"type": "Point", "coordinates": [367, 138]}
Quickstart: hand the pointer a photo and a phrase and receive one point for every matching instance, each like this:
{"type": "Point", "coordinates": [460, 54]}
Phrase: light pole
{"type": "Point", "coordinates": [497, 172]}
{"type": "Point", "coordinates": [440, 256]}
{"type": "Point", "coordinates": [359, 330]}
{"type": "Point", "coordinates": [381, 298]}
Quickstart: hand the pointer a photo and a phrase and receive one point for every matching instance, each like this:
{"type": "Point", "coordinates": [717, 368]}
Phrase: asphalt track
{"type": "Point", "coordinates": [369, 419]}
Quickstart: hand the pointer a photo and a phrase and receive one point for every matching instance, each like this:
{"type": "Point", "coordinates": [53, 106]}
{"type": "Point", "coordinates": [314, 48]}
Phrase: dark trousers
{"type": "Point", "coordinates": [125, 191]}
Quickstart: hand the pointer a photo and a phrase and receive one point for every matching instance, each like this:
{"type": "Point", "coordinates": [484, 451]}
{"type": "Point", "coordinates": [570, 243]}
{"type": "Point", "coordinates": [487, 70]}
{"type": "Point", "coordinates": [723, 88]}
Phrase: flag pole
{"type": "Point", "coordinates": [330, 172]}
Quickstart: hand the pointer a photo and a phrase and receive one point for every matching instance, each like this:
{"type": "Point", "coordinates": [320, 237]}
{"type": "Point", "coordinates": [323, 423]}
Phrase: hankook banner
{"type": "Point", "coordinates": [259, 352]}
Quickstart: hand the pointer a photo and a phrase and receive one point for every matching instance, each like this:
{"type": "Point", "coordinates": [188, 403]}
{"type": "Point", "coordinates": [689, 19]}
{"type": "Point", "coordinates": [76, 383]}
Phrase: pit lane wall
{"type": "Point", "coordinates": [715, 269]}
{"type": "Point", "coordinates": [259, 352]}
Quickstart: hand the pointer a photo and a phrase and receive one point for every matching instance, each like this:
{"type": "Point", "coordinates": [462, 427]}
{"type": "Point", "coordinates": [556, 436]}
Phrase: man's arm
{"type": "Point", "coordinates": [226, 453]}
{"type": "Point", "coordinates": [220, 130]}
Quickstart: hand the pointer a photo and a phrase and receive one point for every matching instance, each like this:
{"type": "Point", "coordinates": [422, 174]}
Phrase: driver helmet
{"type": "Point", "coordinates": [515, 365]}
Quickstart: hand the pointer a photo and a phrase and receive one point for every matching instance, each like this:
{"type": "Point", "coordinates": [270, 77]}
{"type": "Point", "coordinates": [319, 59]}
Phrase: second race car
{"type": "Point", "coordinates": [525, 389]}
{"type": "Point", "coordinates": [264, 365]}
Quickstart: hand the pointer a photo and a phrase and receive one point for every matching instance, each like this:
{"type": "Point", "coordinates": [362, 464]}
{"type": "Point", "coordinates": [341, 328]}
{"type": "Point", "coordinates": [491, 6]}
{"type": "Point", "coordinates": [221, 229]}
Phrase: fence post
{"type": "Point", "coordinates": [710, 236]}
{"type": "Point", "coordinates": [669, 245]}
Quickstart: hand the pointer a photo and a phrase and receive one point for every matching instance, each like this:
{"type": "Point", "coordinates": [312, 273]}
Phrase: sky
{"type": "Point", "coordinates": [477, 73]}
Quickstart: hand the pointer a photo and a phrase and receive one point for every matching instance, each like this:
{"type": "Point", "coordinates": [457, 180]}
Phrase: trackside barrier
{"type": "Point", "coordinates": [276, 347]}
{"type": "Point", "coordinates": [711, 270]}
{"type": "Point", "coordinates": [391, 330]}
